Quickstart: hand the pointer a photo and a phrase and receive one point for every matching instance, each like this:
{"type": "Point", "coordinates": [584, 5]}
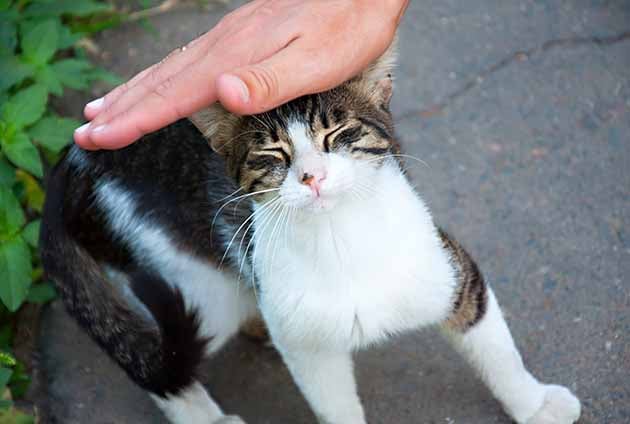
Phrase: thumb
{"type": "Point", "coordinates": [288, 74]}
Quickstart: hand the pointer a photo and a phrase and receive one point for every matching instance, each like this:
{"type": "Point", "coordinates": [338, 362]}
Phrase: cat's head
{"type": "Point", "coordinates": [313, 151]}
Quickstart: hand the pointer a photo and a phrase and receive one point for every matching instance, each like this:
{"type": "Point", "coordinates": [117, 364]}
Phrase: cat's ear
{"type": "Point", "coordinates": [377, 79]}
{"type": "Point", "coordinates": [217, 125]}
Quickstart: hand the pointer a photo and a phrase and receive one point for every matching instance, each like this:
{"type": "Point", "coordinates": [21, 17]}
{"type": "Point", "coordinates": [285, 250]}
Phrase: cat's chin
{"type": "Point", "coordinates": [319, 206]}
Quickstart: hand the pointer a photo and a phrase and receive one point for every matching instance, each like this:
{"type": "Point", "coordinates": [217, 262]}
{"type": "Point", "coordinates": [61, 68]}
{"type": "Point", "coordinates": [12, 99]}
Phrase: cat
{"type": "Point", "coordinates": [301, 217]}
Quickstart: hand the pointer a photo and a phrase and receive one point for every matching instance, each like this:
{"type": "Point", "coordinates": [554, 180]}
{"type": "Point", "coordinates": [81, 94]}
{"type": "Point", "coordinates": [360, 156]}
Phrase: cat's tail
{"type": "Point", "coordinates": [158, 346]}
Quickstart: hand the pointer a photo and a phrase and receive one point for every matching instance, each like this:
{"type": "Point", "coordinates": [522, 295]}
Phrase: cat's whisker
{"type": "Point", "coordinates": [367, 190]}
{"type": "Point", "coordinates": [228, 196]}
{"type": "Point", "coordinates": [356, 194]}
{"type": "Point", "coordinates": [334, 241]}
{"type": "Point", "coordinates": [216, 215]}
{"type": "Point", "coordinates": [289, 226]}
{"type": "Point", "coordinates": [240, 245]}
{"type": "Point", "coordinates": [271, 239]}
{"type": "Point", "coordinates": [227, 143]}
{"type": "Point", "coordinates": [268, 220]}
{"type": "Point", "coordinates": [263, 216]}
{"type": "Point", "coordinates": [263, 219]}
{"type": "Point", "coordinates": [397, 155]}
{"type": "Point", "coordinates": [264, 124]}
{"type": "Point", "coordinates": [251, 216]}
{"type": "Point", "coordinates": [274, 240]}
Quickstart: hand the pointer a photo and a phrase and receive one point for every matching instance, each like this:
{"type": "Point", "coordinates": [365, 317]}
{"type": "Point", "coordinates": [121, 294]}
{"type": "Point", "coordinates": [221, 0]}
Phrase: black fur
{"type": "Point", "coordinates": [177, 182]}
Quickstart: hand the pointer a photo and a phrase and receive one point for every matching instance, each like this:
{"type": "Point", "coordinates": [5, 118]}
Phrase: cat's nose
{"type": "Point", "coordinates": [313, 180]}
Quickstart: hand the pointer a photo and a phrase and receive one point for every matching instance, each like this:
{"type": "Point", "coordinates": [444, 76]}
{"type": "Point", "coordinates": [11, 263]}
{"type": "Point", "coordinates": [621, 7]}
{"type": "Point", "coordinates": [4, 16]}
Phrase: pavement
{"type": "Point", "coordinates": [521, 111]}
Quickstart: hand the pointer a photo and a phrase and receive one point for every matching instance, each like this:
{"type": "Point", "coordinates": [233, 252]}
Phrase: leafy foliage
{"type": "Point", "coordinates": [39, 57]}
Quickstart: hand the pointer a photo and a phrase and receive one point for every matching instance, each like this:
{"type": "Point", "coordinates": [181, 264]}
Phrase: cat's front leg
{"type": "Point", "coordinates": [478, 330]}
{"type": "Point", "coordinates": [326, 379]}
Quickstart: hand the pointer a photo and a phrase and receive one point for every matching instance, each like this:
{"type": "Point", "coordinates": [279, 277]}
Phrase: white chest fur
{"type": "Point", "coordinates": [368, 269]}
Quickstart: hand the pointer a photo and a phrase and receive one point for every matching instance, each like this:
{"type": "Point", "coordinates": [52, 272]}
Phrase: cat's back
{"type": "Point", "coordinates": [169, 179]}
{"type": "Point", "coordinates": [174, 157]}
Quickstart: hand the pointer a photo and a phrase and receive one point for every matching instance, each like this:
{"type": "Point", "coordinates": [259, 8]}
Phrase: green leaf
{"type": "Point", "coordinates": [26, 107]}
{"type": "Point", "coordinates": [67, 37]}
{"type": "Point", "coordinates": [15, 272]}
{"type": "Point", "coordinates": [5, 4]}
{"type": "Point", "coordinates": [11, 214]}
{"type": "Point", "coordinates": [14, 416]}
{"type": "Point", "coordinates": [32, 192]}
{"type": "Point", "coordinates": [7, 360]}
{"type": "Point", "coordinates": [105, 76]}
{"type": "Point", "coordinates": [53, 132]}
{"type": "Point", "coordinates": [37, 273]}
{"type": "Point", "coordinates": [6, 335]}
{"type": "Point", "coordinates": [13, 71]}
{"type": "Point", "coordinates": [41, 293]}
{"type": "Point", "coordinates": [66, 7]}
{"type": "Point", "coordinates": [48, 78]}
{"type": "Point", "coordinates": [39, 41]}
{"type": "Point", "coordinates": [7, 173]}
{"type": "Point", "coordinates": [5, 376]}
{"type": "Point", "coordinates": [31, 232]}
{"type": "Point", "coordinates": [19, 381]}
{"type": "Point", "coordinates": [71, 72]}
{"type": "Point", "coordinates": [8, 35]}
{"type": "Point", "coordinates": [23, 154]}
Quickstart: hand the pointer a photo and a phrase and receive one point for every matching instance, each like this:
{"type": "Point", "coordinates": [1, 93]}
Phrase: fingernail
{"type": "Point", "coordinates": [95, 104]}
{"type": "Point", "coordinates": [82, 128]}
{"type": "Point", "coordinates": [99, 129]}
{"type": "Point", "coordinates": [239, 85]}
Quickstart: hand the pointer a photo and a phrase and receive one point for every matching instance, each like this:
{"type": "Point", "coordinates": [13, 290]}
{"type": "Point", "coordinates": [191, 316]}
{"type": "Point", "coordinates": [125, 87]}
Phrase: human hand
{"type": "Point", "coordinates": [261, 55]}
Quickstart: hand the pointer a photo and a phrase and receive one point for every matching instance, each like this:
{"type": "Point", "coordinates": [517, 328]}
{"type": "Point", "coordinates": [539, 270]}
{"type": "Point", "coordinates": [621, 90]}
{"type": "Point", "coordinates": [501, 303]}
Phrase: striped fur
{"type": "Point", "coordinates": [471, 299]}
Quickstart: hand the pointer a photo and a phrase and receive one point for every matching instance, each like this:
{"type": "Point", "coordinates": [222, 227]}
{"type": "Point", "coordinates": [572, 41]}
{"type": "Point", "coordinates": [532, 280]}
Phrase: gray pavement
{"type": "Point", "coordinates": [522, 111]}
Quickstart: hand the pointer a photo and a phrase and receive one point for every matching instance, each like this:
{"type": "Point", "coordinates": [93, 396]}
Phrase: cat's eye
{"type": "Point", "coordinates": [326, 142]}
{"type": "Point", "coordinates": [285, 156]}
{"type": "Point", "coordinates": [349, 136]}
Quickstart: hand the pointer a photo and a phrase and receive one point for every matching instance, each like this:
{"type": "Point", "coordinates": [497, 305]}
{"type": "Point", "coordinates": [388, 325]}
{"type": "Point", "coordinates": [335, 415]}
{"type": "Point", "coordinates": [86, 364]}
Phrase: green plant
{"type": "Point", "coordinates": [40, 55]}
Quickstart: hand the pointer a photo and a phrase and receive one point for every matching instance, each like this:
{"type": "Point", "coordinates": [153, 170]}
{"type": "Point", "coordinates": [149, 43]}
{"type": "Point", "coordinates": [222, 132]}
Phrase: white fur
{"type": "Point", "coordinates": [191, 406]}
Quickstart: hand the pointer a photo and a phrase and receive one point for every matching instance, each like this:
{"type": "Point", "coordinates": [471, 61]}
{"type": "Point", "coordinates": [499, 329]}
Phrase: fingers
{"type": "Point", "coordinates": [156, 101]}
{"type": "Point", "coordinates": [96, 106]}
{"type": "Point", "coordinates": [160, 105]}
{"type": "Point", "coordinates": [173, 63]}
{"type": "Point", "coordinates": [290, 73]}
{"type": "Point", "coordinates": [126, 95]}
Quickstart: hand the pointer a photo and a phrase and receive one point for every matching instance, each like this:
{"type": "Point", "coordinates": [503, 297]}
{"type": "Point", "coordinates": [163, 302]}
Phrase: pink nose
{"type": "Point", "coordinates": [314, 181]}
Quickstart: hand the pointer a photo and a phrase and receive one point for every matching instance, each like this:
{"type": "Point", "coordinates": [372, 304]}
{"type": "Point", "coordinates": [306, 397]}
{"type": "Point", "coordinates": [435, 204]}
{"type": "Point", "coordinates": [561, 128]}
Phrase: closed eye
{"type": "Point", "coordinates": [327, 138]}
{"type": "Point", "coordinates": [283, 153]}
{"type": "Point", "coordinates": [349, 136]}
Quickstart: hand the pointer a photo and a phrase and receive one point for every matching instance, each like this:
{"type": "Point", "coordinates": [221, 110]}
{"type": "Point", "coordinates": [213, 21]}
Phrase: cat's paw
{"type": "Point", "coordinates": [229, 419]}
{"type": "Point", "coordinates": [559, 407]}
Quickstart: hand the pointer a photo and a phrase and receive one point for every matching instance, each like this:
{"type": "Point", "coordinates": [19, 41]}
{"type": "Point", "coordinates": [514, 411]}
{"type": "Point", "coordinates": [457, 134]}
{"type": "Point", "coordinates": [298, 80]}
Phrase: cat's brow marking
{"type": "Point", "coordinates": [280, 150]}
{"type": "Point", "coordinates": [301, 141]}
